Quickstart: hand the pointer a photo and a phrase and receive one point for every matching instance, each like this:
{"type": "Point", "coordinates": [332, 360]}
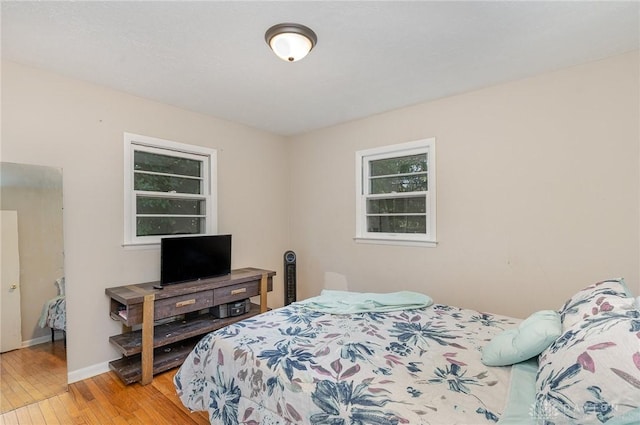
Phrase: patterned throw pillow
{"type": "Point", "coordinates": [591, 374]}
{"type": "Point", "coordinates": [589, 301]}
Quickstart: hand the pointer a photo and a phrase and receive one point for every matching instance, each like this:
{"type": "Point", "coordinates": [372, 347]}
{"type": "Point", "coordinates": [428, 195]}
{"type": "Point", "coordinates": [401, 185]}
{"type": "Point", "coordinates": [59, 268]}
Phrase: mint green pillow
{"type": "Point", "coordinates": [530, 338]}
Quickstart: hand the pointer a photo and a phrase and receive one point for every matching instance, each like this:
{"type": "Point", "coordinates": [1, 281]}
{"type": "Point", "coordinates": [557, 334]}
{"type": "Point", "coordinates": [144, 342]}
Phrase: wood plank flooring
{"type": "Point", "coordinates": [32, 374]}
{"type": "Point", "coordinates": [105, 400]}
{"type": "Point", "coordinates": [34, 391]}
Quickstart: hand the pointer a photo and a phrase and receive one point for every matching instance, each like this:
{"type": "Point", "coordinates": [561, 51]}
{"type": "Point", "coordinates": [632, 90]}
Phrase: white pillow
{"type": "Point", "coordinates": [591, 374]}
{"type": "Point", "coordinates": [60, 285]}
{"type": "Point", "coordinates": [530, 338]}
{"type": "Point", "coordinates": [574, 309]}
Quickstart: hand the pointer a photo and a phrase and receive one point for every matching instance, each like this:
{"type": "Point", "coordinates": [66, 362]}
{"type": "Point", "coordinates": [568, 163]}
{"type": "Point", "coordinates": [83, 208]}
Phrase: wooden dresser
{"type": "Point", "coordinates": [161, 326]}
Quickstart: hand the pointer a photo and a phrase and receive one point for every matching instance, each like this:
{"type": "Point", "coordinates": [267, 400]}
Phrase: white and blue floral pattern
{"type": "Point", "coordinates": [580, 305]}
{"type": "Point", "coordinates": [591, 374]}
{"type": "Point", "coordinates": [296, 366]}
{"type": "Point", "coordinates": [54, 314]}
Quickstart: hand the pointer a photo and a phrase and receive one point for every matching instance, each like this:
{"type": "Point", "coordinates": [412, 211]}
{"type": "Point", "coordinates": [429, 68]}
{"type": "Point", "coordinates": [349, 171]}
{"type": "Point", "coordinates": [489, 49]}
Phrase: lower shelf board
{"type": "Point", "coordinates": [129, 369]}
{"type": "Point", "coordinates": [172, 344]}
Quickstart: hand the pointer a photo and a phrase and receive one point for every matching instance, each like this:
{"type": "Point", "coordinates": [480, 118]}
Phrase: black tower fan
{"type": "Point", "coordinates": [289, 277]}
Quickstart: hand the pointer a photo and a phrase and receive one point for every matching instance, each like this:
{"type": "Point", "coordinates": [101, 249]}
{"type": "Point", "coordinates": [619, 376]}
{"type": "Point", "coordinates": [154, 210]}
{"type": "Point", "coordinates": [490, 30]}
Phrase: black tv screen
{"type": "Point", "coordinates": [189, 258]}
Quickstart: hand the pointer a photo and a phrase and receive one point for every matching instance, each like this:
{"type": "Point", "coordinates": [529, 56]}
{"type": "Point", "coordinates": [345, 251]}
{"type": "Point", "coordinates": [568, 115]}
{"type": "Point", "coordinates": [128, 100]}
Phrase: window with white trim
{"type": "Point", "coordinates": [169, 189]}
{"type": "Point", "coordinates": [396, 194]}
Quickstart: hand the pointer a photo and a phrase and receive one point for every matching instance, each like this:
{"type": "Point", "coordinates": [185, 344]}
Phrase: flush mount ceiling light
{"type": "Point", "coordinates": [290, 42]}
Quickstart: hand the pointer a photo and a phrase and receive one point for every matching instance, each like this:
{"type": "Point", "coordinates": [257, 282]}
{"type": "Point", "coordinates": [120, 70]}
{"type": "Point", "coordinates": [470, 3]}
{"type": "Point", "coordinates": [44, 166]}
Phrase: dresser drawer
{"type": "Point", "coordinates": [237, 292]}
{"type": "Point", "coordinates": [182, 304]}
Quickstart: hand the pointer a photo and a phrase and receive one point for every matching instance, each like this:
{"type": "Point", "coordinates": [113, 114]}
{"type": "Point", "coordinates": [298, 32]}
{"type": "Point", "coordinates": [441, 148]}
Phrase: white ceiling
{"type": "Point", "coordinates": [371, 56]}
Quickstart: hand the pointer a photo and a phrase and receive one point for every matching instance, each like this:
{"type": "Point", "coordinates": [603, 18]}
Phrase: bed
{"type": "Point", "coordinates": [435, 364]}
{"type": "Point", "coordinates": [54, 312]}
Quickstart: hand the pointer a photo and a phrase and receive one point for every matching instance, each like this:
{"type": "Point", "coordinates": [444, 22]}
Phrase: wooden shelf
{"type": "Point", "coordinates": [129, 369]}
{"type": "Point", "coordinates": [130, 343]}
{"type": "Point", "coordinates": [160, 345]}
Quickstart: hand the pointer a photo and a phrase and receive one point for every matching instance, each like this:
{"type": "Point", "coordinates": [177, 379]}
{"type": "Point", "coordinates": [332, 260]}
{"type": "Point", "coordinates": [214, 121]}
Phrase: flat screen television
{"type": "Point", "coordinates": [188, 258]}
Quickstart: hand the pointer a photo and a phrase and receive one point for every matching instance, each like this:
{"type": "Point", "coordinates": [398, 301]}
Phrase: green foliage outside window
{"type": "Point", "coordinates": [151, 226]}
{"type": "Point", "coordinates": [399, 174]}
{"type": "Point", "coordinates": [157, 183]}
{"type": "Point", "coordinates": [397, 205]}
{"type": "Point", "coordinates": [147, 161]}
{"type": "Point", "coordinates": [410, 183]}
{"type": "Point", "coordinates": [399, 165]}
{"type": "Point", "coordinates": [150, 205]}
{"type": "Point", "coordinates": [397, 224]}
{"type": "Point", "coordinates": [168, 174]}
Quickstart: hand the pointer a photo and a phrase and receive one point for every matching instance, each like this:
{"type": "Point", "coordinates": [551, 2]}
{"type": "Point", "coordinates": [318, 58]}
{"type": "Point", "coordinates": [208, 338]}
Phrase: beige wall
{"type": "Point", "coordinates": [538, 193]}
{"type": "Point", "coordinates": [51, 120]}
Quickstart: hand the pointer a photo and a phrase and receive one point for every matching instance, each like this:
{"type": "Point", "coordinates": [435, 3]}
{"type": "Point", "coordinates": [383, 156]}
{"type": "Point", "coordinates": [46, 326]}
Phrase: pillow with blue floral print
{"type": "Point", "coordinates": [591, 373]}
{"type": "Point", "coordinates": [589, 300]}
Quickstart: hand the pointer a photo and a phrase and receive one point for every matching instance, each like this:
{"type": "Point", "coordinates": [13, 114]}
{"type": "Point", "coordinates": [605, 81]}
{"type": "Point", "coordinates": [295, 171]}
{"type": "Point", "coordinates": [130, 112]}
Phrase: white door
{"type": "Point", "coordinates": [11, 324]}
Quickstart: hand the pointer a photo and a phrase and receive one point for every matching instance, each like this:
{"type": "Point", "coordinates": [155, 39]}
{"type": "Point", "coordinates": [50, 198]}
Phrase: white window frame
{"type": "Point", "coordinates": [363, 158]}
{"type": "Point", "coordinates": [134, 142]}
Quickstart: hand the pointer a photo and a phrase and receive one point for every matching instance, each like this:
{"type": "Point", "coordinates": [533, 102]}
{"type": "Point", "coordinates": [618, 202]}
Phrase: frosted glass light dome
{"type": "Point", "coordinates": [290, 42]}
{"type": "Point", "coordinates": [290, 47]}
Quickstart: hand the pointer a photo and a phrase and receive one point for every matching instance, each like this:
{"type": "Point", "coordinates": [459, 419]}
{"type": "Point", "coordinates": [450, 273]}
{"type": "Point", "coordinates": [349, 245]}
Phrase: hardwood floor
{"type": "Point", "coordinates": [32, 374]}
{"type": "Point", "coordinates": [105, 400]}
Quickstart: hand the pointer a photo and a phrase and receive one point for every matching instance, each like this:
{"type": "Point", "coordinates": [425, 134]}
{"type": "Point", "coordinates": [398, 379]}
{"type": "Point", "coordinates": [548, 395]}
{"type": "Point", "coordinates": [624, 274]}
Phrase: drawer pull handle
{"type": "Point", "coordinates": [185, 303]}
{"type": "Point", "coordinates": [238, 291]}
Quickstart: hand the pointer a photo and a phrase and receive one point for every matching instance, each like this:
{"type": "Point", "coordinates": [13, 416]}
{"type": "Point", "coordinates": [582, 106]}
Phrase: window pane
{"type": "Point", "coordinates": [397, 205]}
{"type": "Point", "coordinates": [397, 224]}
{"type": "Point", "coordinates": [399, 165]}
{"type": "Point", "coordinates": [155, 183]}
{"type": "Point", "coordinates": [147, 205]}
{"type": "Point", "coordinates": [155, 226]}
{"type": "Point", "coordinates": [146, 161]}
{"type": "Point", "coordinates": [410, 183]}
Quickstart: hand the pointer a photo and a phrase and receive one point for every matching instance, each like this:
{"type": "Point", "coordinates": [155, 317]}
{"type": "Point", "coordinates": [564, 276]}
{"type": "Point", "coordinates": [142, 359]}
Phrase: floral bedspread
{"type": "Point", "coordinates": [54, 313]}
{"type": "Point", "coordinates": [296, 366]}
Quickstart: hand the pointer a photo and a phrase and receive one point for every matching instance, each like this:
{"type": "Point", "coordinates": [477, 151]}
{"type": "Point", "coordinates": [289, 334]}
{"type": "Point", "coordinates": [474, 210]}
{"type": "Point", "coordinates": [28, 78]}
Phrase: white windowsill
{"type": "Point", "coordinates": [140, 245]}
{"type": "Point", "coordinates": [402, 242]}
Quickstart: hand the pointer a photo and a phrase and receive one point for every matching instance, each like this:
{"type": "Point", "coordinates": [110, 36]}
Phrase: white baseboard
{"type": "Point", "coordinates": [75, 375]}
{"type": "Point", "coordinates": [42, 339]}
{"type": "Point", "coordinates": [87, 372]}
{"type": "Point", "coordinates": [36, 341]}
